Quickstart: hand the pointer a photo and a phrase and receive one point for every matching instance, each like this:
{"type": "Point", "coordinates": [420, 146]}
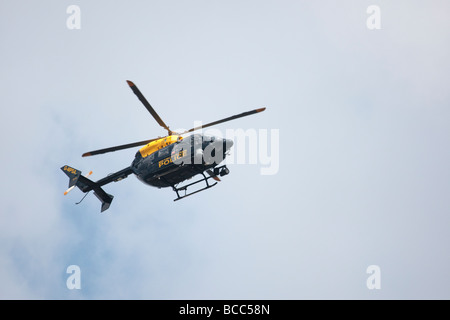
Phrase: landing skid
{"type": "Point", "coordinates": [184, 188]}
{"type": "Point", "coordinates": [205, 179]}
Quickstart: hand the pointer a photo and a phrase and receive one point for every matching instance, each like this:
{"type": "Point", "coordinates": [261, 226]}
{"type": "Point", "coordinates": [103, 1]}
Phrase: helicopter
{"type": "Point", "coordinates": [164, 161]}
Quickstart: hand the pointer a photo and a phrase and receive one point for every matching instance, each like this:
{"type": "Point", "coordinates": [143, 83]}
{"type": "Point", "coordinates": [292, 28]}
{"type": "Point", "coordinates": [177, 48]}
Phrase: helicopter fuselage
{"type": "Point", "coordinates": [173, 159]}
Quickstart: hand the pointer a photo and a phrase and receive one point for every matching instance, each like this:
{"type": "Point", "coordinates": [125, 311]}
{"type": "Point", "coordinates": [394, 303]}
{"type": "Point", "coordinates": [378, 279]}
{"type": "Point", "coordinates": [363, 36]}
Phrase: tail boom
{"type": "Point", "coordinates": [86, 185]}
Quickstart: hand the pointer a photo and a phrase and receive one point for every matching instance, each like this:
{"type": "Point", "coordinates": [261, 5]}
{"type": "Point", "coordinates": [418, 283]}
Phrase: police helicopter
{"type": "Point", "coordinates": [164, 161]}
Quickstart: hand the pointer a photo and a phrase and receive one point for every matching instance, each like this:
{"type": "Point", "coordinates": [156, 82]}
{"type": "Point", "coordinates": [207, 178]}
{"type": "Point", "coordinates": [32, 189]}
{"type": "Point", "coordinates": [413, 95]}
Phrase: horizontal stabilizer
{"type": "Point", "coordinates": [72, 183]}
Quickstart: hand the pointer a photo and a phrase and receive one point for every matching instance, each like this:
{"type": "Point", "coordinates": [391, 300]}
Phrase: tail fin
{"type": "Point", "coordinates": [105, 198]}
{"type": "Point", "coordinates": [86, 185]}
{"type": "Point", "coordinates": [73, 175]}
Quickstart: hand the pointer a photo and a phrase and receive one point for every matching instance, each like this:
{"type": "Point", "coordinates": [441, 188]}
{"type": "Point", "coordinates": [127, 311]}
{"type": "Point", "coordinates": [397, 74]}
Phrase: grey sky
{"type": "Point", "coordinates": [363, 117]}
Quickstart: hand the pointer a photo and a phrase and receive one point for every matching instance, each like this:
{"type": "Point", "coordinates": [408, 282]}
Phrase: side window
{"type": "Point", "coordinates": [163, 152]}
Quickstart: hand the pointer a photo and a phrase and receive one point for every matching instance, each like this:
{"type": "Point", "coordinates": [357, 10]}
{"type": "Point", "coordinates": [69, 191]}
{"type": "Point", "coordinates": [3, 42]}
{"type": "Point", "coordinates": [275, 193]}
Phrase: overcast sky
{"type": "Point", "coordinates": [363, 118]}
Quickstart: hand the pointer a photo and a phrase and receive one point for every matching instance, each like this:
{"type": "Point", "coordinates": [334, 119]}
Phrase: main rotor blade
{"type": "Point", "coordinates": [148, 106]}
{"type": "Point", "coordinates": [111, 149]}
{"type": "Point", "coordinates": [244, 114]}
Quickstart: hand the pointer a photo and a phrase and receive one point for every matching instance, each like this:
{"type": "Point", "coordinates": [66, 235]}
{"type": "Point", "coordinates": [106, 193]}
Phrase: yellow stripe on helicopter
{"type": "Point", "coordinates": [156, 145]}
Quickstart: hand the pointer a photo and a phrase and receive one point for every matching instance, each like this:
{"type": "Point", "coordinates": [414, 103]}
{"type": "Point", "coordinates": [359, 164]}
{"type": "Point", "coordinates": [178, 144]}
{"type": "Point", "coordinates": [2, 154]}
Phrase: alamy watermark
{"type": "Point", "coordinates": [74, 280]}
{"type": "Point", "coordinates": [373, 22]}
{"type": "Point", "coordinates": [74, 20]}
{"type": "Point", "coordinates": [374, 280]}
{"type": "Point", "coordinates": [236, 146]}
